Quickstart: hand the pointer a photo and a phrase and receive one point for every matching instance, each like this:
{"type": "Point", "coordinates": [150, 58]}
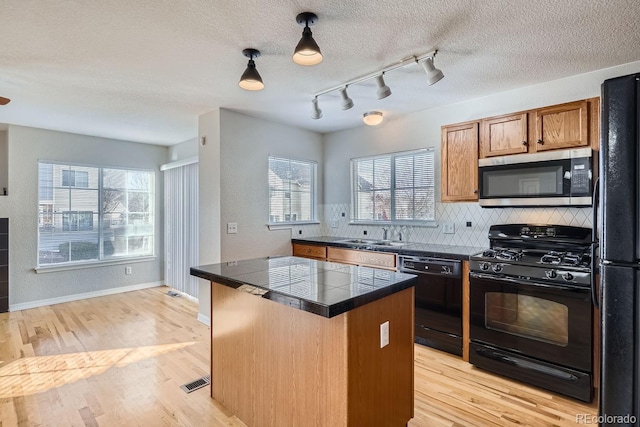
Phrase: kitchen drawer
{"type": "Point", "coordinates": [309, 251]}
{"type": "Point", "coordinates": [4, 305]}
{"type": "Point", "coordinates": [4, 225]}
{"type": "Point", "coordinates": [364, 258]}
{"type": "Point", "coordinates": [4, 241]}
{"type": "Point", "coordinates": [4, 289]}
{"type": "Point", "coordinates": [4, 273]}
{"type": "Point", "coordinates": [4, 257]}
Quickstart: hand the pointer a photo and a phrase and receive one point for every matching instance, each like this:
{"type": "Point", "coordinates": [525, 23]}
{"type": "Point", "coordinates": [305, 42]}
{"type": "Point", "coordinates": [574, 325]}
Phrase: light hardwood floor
{"type": "Point", "coordinates": [120, 360]}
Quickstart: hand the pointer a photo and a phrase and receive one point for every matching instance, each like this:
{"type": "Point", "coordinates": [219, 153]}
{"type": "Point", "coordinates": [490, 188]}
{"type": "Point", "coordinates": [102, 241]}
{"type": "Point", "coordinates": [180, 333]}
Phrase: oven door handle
{"type": "Point", "coordinates": [519, 282]}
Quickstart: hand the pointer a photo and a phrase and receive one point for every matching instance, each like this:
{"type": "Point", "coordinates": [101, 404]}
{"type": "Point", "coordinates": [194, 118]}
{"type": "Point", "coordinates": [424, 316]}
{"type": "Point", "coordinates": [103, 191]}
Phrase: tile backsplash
{"type": "Point", "coordinates": [334, 224]}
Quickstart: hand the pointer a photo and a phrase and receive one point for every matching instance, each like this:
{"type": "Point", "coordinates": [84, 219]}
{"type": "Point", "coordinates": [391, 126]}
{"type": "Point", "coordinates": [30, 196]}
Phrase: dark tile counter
{"type": "Point", "coordinates": [324, 288]}
{"type": "Point", "coordinates": [415, 249]}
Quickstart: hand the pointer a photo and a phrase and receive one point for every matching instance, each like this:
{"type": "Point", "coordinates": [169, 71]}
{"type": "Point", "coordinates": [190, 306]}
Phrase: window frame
{"type": "Point", "coordinates": [392, 188]}
{"type": "Point", "coordinates": [102, 260]}
{"type": "Point", "coordinates": [313, 194]}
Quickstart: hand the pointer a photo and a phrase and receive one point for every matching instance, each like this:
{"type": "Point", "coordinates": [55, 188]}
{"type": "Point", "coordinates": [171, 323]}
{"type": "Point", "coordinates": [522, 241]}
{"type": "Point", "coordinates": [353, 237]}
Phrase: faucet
{"type": "Point", "coordinates": [384, 233]}
{"type": "Point", "coordinates": [400, 236]}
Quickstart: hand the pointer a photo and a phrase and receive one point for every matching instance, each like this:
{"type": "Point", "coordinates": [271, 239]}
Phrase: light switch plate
{"type": "Point", "coordinates": [384, 334]}
{"type": "Point", "coordinates": [232, 228]}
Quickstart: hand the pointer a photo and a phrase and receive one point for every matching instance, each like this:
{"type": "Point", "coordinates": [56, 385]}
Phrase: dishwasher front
{"type": "Point", "coordinates": [438, 301]}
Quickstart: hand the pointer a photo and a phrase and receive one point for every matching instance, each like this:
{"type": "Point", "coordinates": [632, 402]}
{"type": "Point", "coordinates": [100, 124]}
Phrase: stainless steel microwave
{"type": "Point", "coordinates": [552, 178]}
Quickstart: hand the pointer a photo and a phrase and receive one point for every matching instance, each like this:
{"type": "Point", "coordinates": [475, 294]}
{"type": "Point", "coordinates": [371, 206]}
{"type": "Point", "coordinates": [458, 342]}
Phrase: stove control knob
{"type": "Point", "coordinates": [497, 268]}
{"type": "Point", "coordinates": [551, 274]}
{"type": "Point", "coordinates": [484, 266]}
{"type": "Point", "coordinates": [568, 277]}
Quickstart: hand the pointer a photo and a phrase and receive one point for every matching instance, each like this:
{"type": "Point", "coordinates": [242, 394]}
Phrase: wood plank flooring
{"type": "Point", "coordinates": [120, 360]}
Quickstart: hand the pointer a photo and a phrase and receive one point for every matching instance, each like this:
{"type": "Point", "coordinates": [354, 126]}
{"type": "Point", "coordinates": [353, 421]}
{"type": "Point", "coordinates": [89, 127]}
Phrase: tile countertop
{"type": "Point", "coordinates": [324, 288]}
{"type": "Point", "coordinates": [410, 248]}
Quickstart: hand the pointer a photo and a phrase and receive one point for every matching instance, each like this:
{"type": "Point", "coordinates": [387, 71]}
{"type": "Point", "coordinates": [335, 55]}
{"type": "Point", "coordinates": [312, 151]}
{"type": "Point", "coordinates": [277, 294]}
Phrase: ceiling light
{"type": "Point", "coordinates": [307, 51]}
{"type": "Point", "coordinates": [383, 89]}
{"type": "Point", "coordinates": [433, 74]}
{"type": "Point", "coordinates": [251, 79]}
{"type": "Point", "coordinates": [316, 112]}
{"type": "Point", "coordinates": [372, 118]}
{"type": "Point", "coordinates": [346, 101]}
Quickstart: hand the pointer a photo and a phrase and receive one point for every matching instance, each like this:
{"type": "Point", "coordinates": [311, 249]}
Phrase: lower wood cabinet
{"type": "Point", "coordinates": [309, 251]}
{"type": "Point", "coordinates": [364, 258]}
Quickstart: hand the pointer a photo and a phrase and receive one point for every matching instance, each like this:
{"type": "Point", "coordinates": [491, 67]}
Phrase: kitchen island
{"type": "Point", "coordinates": [297, 342]}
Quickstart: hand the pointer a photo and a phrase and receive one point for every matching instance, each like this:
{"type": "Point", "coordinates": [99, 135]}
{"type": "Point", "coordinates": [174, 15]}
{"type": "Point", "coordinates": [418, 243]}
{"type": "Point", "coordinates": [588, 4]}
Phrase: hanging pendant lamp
{"type": "Point", "coordinates": [251, 79]}
{"type": "Point", "coordinates": [307, 51]}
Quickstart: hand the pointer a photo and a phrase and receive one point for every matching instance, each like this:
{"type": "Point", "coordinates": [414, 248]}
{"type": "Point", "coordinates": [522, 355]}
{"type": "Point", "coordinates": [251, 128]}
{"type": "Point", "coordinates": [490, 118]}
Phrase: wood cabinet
{"type": "Point", "coordinates": [562, 126]}
{"type": "Point", "coordinates": [504, 135]}
{"type": "Point", "coordinates": [309, 251]}
{"type": "Point", "coordinates": [364, 258]}
{"type": "Point", "coordinates": [4, 265]}
{"type": "Point", "coordinates": [459, 160]}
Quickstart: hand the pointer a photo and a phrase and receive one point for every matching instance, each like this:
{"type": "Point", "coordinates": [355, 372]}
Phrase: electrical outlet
{"type": "Point", "coordinates": [384, 334]}
{"type": "Point", "coordinates": [232, 228]}
{"type": "Point", "coordinates": [334, 224]}
{"type": "Point", "coordinates": [448, 228]}
{"type": "Point", "coordinates": [127, 270]}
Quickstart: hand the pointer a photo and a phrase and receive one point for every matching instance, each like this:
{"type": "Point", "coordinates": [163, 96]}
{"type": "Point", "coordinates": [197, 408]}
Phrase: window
{"type": "Point", "coordinates": [292, 190]}
{"type": "Point", "coordinates": [95, 214]}
{"type": "Point", "coordinates": [397, 187]}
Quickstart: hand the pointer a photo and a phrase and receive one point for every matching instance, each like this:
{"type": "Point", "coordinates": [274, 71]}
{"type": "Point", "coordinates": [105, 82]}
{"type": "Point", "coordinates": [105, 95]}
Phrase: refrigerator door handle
{"type": "Point", "coordinates": [595, 244]}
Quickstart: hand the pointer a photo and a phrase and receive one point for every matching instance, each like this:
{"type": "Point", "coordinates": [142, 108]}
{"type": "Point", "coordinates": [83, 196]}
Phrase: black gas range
{"type": "Point", "coordinates": [531, 316]}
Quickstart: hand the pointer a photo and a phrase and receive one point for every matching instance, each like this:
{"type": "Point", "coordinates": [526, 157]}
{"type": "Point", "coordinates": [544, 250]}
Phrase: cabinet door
{"type": "Point", "coordinates": [309, 251]}
{"type": "Point", "coordinates": [373, 259]}
{"type": "Point", "coordinates": [504, 135]}
{"type": "Point", "coordinates": [562, 126]}
{"type": "Point", "coordinates": [459, 158]}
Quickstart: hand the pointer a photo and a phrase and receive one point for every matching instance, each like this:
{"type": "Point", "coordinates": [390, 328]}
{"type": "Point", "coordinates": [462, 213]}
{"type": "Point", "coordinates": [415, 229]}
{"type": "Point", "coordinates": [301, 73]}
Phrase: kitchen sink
{"type": "Point", "coordinates": [372, 242]}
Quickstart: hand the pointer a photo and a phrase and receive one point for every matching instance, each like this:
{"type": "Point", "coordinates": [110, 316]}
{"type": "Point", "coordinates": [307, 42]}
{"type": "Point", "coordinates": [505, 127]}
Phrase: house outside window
{"type": "Point", "coordinates": [292, 191]}
{"type": "Point", "coordinates": [396, 187]}
{"type": "Point", "coordinates": [93, 214]}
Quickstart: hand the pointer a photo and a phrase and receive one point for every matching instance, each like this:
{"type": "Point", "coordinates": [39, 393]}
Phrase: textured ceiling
{"type": "Point", "coordinates": [144, 70]}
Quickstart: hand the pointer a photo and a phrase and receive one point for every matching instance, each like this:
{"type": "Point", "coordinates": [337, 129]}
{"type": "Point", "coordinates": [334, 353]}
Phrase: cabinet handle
{"type": "Point", "coordinates": [525, 143]}
{"type": "Point", "coordinates": [540, 142]}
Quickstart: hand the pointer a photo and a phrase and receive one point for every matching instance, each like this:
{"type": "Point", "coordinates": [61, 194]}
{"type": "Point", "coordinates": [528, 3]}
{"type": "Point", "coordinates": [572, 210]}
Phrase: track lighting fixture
{"type": "Point", "coordinates": [251, 79]}
{"type": "Point", "coordinates": [372, 118]}
{"type": "Point", "coordinates": [383, 89]}
{"type": "Point", "coordinates": [433, 74]}
{"type": "Point", "coordinates": [346, 101]}
{"type": "Point", "coordinates": [307, 51]}
{"type": "Point", "coordinates": [316, 112]}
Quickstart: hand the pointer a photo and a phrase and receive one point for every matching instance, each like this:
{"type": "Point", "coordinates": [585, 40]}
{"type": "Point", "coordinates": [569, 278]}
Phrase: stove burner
{"type": "Point", "coordinates": [552, 257]}
{"type": "Point", "coordinates": [489, 253]}
{"type": "Point", "coordinates": [572, 258]}
{"type": "Point", "coordinates": [509, 255]}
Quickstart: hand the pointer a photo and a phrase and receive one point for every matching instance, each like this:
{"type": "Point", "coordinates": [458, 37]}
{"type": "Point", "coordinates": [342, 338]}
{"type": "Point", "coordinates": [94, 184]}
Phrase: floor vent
{"type": "Point", "coordinates": [194, 385]}
{"type": "Point", "coordinates": [173, 294]}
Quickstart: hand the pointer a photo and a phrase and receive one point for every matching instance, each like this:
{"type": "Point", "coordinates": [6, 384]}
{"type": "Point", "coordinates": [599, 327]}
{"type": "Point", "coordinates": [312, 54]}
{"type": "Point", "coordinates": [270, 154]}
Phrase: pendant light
{"type": "Point", "coordinates": [251, 79]}
{"type": "Point", "coordinates": [433, 74]}
{"type": "Point", "coordinates": [372, 118]}
{"type": "Point", "coordinates": [383, 90]}
{"type": "Point", "coordinates": [307, 51]}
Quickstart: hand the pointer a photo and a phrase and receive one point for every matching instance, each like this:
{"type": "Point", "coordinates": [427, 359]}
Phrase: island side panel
{"type": "Point", "coordinates": [381, 379]}
{"type": "Point", "coordinates": [273, 365]}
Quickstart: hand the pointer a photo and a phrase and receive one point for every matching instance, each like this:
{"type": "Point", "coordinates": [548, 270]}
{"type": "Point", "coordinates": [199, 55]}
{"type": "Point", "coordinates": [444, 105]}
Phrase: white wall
{"type": "Point", "coordinates": [184, 150]}
{"type": "Point", "coordinates": [246, 143]}
{"type": "Point", "coordinates": [26, 147]}
{"type": "Point", "coordinates": [422, 129]}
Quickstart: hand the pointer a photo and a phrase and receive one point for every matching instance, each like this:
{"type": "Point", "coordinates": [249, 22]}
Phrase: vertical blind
{"type": "Point", "coordinates": [394, 187]}
{"type": "Point", "coordinates": [181, 227]}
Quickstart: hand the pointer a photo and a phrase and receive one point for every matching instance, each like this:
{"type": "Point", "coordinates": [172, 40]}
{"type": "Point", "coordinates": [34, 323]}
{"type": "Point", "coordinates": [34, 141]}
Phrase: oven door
{"type": "Point", "coordinates": [553, 323]}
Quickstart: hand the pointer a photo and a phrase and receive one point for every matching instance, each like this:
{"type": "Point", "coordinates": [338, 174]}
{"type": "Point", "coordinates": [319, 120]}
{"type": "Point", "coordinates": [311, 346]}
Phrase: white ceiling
{"type": "Point", "coordinates": [144, 70]}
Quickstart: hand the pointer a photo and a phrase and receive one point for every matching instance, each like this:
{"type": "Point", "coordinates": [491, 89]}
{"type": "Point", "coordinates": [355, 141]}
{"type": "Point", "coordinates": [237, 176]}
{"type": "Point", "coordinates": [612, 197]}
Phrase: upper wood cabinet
{"type": "Point", "coordinates": [504, 135]}
{"type": "Point", "coordinates": [562, 126]}
{"type": "Point", "coordinates": [459, 160]}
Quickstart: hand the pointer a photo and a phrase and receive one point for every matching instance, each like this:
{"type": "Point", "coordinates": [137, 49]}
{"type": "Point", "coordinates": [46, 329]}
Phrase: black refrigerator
{"type": "Point", "coordinates": [619, 296]}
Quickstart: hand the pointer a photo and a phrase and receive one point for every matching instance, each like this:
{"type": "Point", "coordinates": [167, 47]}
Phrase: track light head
{"type": "Point", "coordinates": [251, 79]}
{"type": "Point", "coordinates": [433, 74]}
{"type": "Point", "coordinates": [383, 89]}
{"type": "Point", "coordinates": [346, 101]}
{"type": "Point", "coordinates": [307, 51]}
{"type": "Point", "coordinates": [372, 118]}
{"type": "Point", "coordinates": [316, 112]}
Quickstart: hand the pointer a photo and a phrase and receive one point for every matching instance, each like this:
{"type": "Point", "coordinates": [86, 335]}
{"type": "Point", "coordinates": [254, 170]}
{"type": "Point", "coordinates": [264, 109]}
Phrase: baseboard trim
{"type": "Point", "coordinates": [76, 297]}
{"type": "Point", "coordinates": [204, 319]}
